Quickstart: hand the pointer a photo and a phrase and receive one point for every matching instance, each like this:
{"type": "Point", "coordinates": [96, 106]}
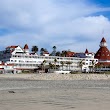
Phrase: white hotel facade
{"type": "Point", "coordinates": [15, 59]}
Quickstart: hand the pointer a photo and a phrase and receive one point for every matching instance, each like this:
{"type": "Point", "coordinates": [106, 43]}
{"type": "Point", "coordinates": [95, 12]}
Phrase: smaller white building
{"type": "Point", "coordinates": [7, 68]}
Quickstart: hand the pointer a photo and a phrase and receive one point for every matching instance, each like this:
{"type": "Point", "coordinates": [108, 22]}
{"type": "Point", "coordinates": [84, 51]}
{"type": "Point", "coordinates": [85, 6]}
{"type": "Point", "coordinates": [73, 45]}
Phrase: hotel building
{"type": "Point", "coordinates": [15, 59]}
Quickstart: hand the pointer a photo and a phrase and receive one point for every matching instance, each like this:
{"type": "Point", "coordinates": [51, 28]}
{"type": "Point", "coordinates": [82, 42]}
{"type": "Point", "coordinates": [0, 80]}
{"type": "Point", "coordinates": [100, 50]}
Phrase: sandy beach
{"type": "Point", "coordinates": [53, 76]}
{"type": "Point", "coordinates": [29, 92]}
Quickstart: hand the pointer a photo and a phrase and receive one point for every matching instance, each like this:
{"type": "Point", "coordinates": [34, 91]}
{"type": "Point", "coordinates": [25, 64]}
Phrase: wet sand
{"type": "Point", "coordinates": [54, 95]}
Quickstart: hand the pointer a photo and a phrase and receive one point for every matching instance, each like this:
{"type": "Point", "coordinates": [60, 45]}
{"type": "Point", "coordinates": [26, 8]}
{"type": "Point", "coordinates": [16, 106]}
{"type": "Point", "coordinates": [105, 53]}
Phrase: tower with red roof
{"type": "Point", "coordinates": [103, 54]}
{"type": "Point", "coordinates": [86, 51]}
{"type": "Point", "coordinates": [26, 48]}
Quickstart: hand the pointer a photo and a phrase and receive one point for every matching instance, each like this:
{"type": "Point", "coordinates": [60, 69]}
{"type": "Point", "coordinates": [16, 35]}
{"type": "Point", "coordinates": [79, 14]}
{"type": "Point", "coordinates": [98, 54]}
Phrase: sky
{"type": "Point", "coordinates": [67, 24]}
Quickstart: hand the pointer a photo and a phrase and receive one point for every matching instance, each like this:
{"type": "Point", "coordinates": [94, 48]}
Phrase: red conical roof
{"type": "Point", "coordinates": [26, 46]}
{"type": "Point", "coordinates": [103, 40]}
{"type": "Point", "coordinates": [103, 54]}
{"type": "Point", "coordinates": [86, 51]}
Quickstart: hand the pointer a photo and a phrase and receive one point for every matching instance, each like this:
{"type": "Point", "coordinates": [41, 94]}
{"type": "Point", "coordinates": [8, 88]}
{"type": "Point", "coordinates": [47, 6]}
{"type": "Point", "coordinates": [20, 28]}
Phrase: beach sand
{"type": "Point", "coordinates": [53, 94]}
{"type": "Point", "coordinates": [53, 76]}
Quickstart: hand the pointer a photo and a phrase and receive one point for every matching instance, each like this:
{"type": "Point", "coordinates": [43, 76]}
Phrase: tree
{"type": "Point", "coordinates": [81, 63]}
{"type": "Point", "coordinates": [51, 65]}
{"type": "Point", "coordinates": [41, 51]}
{"type": "Point", "coordinates": [62, 63]}
{"type": "Point", "coordinates": [54, 50]}
{"type": "Point", "coordinates": [93, 65]}
{"type": "Point", "coordinates": [34, 49]}
{"type": "Point", "coordinates": [58, 53]}
{"type": "Point", "coordinates": [64, 53]}
{"type": "Point", "coordinates": [44, 64]}
{"type": "Point", "coordinates": [45, 50]}
{"type": "Point", "coordinates": [55, 60]}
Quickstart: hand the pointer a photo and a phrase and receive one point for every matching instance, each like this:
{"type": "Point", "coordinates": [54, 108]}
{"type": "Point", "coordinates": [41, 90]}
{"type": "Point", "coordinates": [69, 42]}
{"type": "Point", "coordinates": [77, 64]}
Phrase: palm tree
{"type": "Point", "coordinates": [55, 60]}
{"type": "Point", "coordinates": [54, 50]}
{"type": "Point", "coordinates": [81, 63]}
{"type": "Point", "coordinates": [45, 50]}
{"type": "Point", "coordinates": [93, 65]}
{"type": "Point", "coordinates": [62, 63]}
{"type": "Point", "coordinates": [64, 53]}
{"type": "Point", "coordinates": [41, 51]}
{"type": "Point", "coordinates": [58, 53]}
{"type": "Point", "coordinates": [34, 49]}
{"type": "Point", "coordinates": [50, 65]}
{"type": "Point", "coordinates": [44, 64]}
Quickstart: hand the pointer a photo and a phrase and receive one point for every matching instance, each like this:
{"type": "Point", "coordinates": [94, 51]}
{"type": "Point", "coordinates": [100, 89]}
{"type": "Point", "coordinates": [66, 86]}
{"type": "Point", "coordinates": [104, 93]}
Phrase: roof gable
{"type": "Point", "coordinates": [18, 49]}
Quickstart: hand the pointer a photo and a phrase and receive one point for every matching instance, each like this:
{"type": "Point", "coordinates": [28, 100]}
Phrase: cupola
{"type": "Point", "coordinates": [103, 43]}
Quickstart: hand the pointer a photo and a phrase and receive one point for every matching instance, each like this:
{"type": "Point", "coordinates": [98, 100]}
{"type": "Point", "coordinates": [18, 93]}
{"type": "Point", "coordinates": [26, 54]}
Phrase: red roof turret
{"type": "Point", "coordinates": [86, 51]}
{"type": "Point", "coordinates": [103, 40]}
{"type": "Point", "coordinates": [103, 54]}
{"type": "Point", "coordinates": [26, 46]}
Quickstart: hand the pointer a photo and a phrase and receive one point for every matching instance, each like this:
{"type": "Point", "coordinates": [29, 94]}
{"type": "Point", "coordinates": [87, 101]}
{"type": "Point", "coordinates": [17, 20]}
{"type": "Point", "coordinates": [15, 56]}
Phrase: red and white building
{"type": "Point", "coordinates": [21, 59]}
{"type": "Point", "coordinates": [103, 54]}
{"type": "Point", "coordinates": [85, 54]}
{"type": "Point", "coordinates": [7, 68]}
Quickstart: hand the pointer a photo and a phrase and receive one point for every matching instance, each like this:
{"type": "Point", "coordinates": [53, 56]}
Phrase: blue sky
{"type": "Point", "coordinates": [67, 24]}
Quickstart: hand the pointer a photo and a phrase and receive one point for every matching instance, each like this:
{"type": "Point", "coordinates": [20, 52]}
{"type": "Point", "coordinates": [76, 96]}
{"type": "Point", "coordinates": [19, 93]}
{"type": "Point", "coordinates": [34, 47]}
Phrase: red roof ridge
{"type": "Point", "coordinates": [12, 46]}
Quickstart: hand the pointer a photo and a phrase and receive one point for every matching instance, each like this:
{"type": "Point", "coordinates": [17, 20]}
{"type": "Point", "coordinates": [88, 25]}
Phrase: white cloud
{"type": "Point", "coordinates": [68, 25]}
